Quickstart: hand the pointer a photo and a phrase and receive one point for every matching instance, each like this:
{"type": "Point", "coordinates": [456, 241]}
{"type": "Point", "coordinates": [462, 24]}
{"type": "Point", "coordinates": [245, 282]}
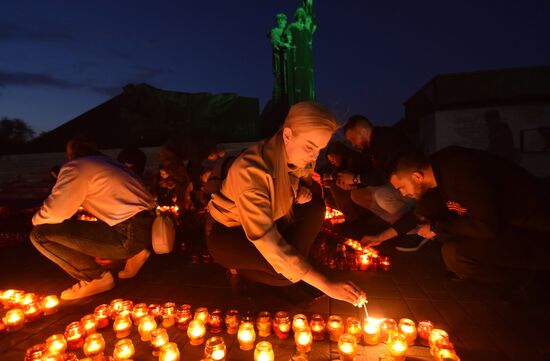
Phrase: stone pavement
{"type": "Point", "coordinates": [481, 326]}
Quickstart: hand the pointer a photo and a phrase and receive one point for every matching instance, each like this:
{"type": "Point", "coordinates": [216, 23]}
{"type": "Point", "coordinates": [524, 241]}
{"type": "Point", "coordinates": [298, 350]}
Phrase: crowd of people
{"type": "Point", "coordinates": [264, 208]}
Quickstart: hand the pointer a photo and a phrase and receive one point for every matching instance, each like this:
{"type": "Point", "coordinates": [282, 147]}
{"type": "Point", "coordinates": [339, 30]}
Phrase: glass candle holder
{"type": "Point", "coordinates": [264, 351]}
{"type": "Point", "coordinates": [397, 346]}
{"type": "Point", "coordinates": [32, 311]}
{"type": "Point", "coordinates": [196, 332]}
{"type": "Point", "coordinates": [408, 328]}
{"type": "Point", "coordinates": [168, 314]}
{"type": "Point", "coordinates": [424, 328]}
{"type": "Point", "coordinates": [347, 347]}
{"type": "Point", "coordinates": [140, 310]}
{"type": "Point", "coordinates": [445, 354]}
{"type": "Point", "coordinates": [101, 314]}
{"type": "Point", "coordinates": [215, 321]}
{"type": "Point", "coordinates": [263, 324]}
{"type": "Point", "coordinates": [155, 311]}
{"type": "Point", "coordinates": [281, 325]}
{"type": "Point", "coordinates": [317, 326]}
{"type": "Point", "coordinates": [371, 331]}
{"type": "Point", "coordinates": [146, 325]}
{"type": "Point", "coordinates": [232, 322]}
{"type": "Point", "coordinates": [56, 344]}
{"type": "Point", "coordinates": [364, 262]}
{"type": "Point", "coordinates": [2, 326]}
{"type": "Point", "coordinates": [201, 314]}
{"type": "Point", "coordinates": [335, 327]}
{"type": "Point", "coordinates": [124, 350]}
{"type": "Point", "coordinates": [5, 298]}
{"type": "Point", "coordinates": [126, 308]}
{"type": "Point", "coordinates": [215, 349]}
{"type": "Point", "coordinates": [74, 334]}
{"type": "Point", "coordinates": [90, 323]}
{"type": "Point", "coordinates": [387, 326]}
{"type": "Point", "coordinates": [183, 316]}
{"type": "Point", "coordinates": [116, 306]}
{"type": "Point", "coordinates": [27, 298]}
{"type": "Point", "coordinates": [122, 326]}
{"type": "Point", "coordinates": [14, 319]}
{"type": "Point", "coordinates": [94, 345]}
{"type": "Point", "coordinates": [385, 263]}
{"type": "Point", "coordinates": [246, 336]}
{"type": "Point", "coordinates": [36, 352]}
{"type": "Point", "coordinates": [16, 297]}
{"type": "Point", "coordinates": [353, 327]}
{"type": "Point", "coordinates": [49, 305]}
{"type": "Point", "coordinates": [437, 335]}
{"type": "Point", "coordinates": [303, 339]}
{"type": "Point", "coordinates": [159, 337]}
{"type": "Point", "coordinates": [299, 321]}
{"type": "Point", "coordinates": [169, 352]}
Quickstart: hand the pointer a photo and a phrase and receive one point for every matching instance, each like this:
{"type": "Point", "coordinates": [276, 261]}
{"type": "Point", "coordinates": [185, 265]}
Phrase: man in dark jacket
{"type": "Point", "coordinates": [496, 223]}
{"type": "Point", "coordinates": [381, 148]}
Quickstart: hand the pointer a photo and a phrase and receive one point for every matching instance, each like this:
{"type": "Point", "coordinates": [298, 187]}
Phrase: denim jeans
{"type": "Point", "coordinates": [74, 244]}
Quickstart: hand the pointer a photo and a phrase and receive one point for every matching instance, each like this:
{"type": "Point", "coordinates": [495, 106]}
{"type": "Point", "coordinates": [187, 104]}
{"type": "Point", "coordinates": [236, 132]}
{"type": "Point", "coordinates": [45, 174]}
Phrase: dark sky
{"type": "Point", "coordinates": [61, 58]}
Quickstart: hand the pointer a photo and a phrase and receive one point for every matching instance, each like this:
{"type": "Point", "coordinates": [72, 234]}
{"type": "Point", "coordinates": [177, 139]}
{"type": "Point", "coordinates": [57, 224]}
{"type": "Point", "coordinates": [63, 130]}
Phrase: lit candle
{"type": "Point", "coordinates": [27, 299]}
{"type": "Point", "coordinates": [437, 335]}
{"type": "Point", "coordinates": [126, 308]}
{"type": "Point", "coordinates": [116, 306]}
{"type": "Point", "coordinates": [196, 332]}
{"type": "Point", "coordinates": [246, 336]}
{"type": "Point", "coordinates": [56, 344]}
{"type": "Point", "coordinates": [387, 326]}
{"type": "Point", "coordinates": [49, 305]}
{"type": "Point", "coordinates": [122, 326]}
{"type": "Point", "coordinates": [101, 314]}
{"type": "Point", "coordinates": [385, 263]}
{"type": "Point", "coordinates": [74, 334]}
{"type": "Point", "coordinates": [264, 351]}
{"type": "Point", "coordinates": [36, 352]}
{"type": "Point", "coordinates": [353, 327]}
{"type": "Point", "coordinates": [124, 350]}
{"type": "Point", "coordinates": [263, 324]}
{"type": "Point", "coordinates": [215, 321]}
{"type": "Point", "coordinates": [94, 345]}
{"type": "Point", "coordinates": [371, 331]}
{"type": "Point", "coordinates": [397, 345]}
{"type": "Point", "coordinates": [183, 316]}
{"type": "Point", "coordinates": [14, 319]}
{"type": "Point", "coordinates": [303, 339]}
{"type": "Point", "coordinates": [281, 325]}
{"type": "Point", "coordinates": [2, 326]}
{"type": "Point", "coordinates": [156, 312]}
{"type": "Point", "coordinates": [146, 325]}
{"type": "Point", "coordinates": [215, 349]}
{"type": "Point", "coordinates": [168, 314]}
{"type": "Point", "coordinates": [408, 328]}
{"type": "Point", "coordinates": [299, 321]}
{"type": "Point", "coordinates": [169, 352]}
{"type": "Point", "coordinates": [364, 262]}
{"type": "Point", "coordinates": [232, 322]}
{"type": "Point", "coordinates": [90, 323]}
{"type": "Point", "coordinates": [335, 327]}
{"type": "Point", "coordinates": [32, 311]}
{"type": "Point", "coordinates": [159, 337]}
{"type": "Point", "coordinates": [16, 297]}
{"type": "Point", "coordinates": [445, 354]}
{"type": "Point", "coordinates": [6, 296]}
{"type": "Point", "coordinates": [317, 326]}
{"type": "Point", "coordinates": [424, 328]}
{"type": "Point", "coordinates": [140, 310]}
{"type": "Point", "coordinates": [347, 347]}
{"type": "Point", "coordinates": [201, 314]}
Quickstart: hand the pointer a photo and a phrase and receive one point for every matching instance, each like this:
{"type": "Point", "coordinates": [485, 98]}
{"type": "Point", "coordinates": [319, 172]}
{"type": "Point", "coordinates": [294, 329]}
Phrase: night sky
{"type": "Point", "coordinates": [58, 59]}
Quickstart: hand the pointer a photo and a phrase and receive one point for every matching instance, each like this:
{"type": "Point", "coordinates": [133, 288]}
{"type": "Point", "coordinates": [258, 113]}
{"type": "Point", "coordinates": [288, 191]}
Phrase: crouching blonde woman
{"type": "Point", "coordinates": [266, 217]}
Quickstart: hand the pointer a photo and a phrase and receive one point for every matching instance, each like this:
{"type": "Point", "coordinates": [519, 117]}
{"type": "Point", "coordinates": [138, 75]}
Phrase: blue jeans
{"type": "Point", "coordinates": [73, 244]}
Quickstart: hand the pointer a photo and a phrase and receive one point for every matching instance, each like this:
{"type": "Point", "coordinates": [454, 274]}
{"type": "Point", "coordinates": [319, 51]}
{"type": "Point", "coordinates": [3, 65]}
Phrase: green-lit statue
{"type": "Point", "coordinates": [281, 42]}
{"type": "Point", "coordinates": [300, 60]}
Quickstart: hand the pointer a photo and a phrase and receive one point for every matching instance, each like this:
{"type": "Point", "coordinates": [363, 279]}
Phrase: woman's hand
{"type": "Point", "coordinates": [370, 240]}
{"type": "Point", "coordinates": [424, 230]}
{"type": "Point", "coordinates": [303, 195]}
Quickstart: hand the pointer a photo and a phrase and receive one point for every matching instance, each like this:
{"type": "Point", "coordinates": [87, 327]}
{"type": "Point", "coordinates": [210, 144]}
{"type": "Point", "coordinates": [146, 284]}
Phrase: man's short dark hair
{"type": "Point", "coordinates": [411, 162]}
{"type": "Point", "coordinates": [135, 157]}
{"type": "Point", "coordinates": [82, 146]}
{"type": "Point", "coordinates": [356, 121]}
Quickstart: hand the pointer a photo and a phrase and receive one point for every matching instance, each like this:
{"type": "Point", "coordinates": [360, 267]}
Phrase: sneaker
{"type": "Point", "coordinates": [89, 288]}
{"type": "Point", "coordinates": [134, 264]}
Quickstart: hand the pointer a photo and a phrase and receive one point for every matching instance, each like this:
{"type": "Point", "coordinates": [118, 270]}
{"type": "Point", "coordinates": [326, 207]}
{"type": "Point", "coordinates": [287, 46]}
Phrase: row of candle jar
{"type": "Point", "coordinates": [15, 318]}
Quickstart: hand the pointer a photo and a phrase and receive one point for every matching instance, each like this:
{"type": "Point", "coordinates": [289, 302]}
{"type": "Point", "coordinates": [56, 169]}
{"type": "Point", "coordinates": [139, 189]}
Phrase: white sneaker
{"type": "Point", "coordinates": [134, 264]}
{"type": "Point", "coordinates": [89, 288]}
